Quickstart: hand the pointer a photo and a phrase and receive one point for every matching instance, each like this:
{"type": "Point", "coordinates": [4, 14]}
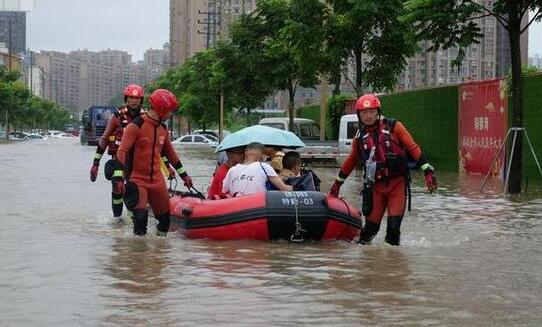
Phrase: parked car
{"type": "Point", "coordinates": [212, 132]}
{"type": "Point", "coordinates": [34, 136]}
{"type": "Point", "coordinates": [196, 141]}
{"type": "Point", "coordinates": [16, 136]}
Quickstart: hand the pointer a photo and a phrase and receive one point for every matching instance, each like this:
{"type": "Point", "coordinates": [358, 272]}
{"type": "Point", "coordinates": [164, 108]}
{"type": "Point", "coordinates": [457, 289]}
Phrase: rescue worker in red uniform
{"type": "Point", "coordinates": [139, 156]}
{"type": "Point", "coordinates": [386, 144]}
{"type": "Point", "coordinates": [110, 140]}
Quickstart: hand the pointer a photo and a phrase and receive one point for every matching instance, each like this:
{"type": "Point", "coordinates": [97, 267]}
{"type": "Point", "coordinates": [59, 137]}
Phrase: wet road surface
{"type": "Point", "coordinates": [466, 259]}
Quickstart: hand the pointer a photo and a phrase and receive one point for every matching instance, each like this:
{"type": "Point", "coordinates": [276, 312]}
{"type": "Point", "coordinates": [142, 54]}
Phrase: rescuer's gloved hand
{"type": "Point", "coordinates": [94, 172]}
{"type": "Point", "coordinates": [120, 187]}
{"type": "Point", "coordinates": [335, 188]}
{"type": "Point", "coordinates": [171, 172]}
{"type": "Point", "coordinates": [430, 179]}
{"type": "Point", "coordinates": [187, 180]}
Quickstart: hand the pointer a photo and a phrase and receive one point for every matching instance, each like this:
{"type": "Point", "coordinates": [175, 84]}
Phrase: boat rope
{"type": "Point", "coordinates": [297, 236]}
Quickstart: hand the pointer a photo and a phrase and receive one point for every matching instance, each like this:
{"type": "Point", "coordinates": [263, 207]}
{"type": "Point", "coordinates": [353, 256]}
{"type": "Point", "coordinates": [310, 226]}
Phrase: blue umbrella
{"type": "Point", "coordinates": [263, 134]}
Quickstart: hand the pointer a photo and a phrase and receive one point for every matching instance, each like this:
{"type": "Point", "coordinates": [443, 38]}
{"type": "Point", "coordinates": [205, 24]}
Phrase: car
{"type": "Point", "coordinates": [212, 132]}
{"type": "Point", "coordinates": [16, 136]}
{"type": "Point", "coordinates": [34, 136]}
{"type": "Point", "coordinates": [196, 141]}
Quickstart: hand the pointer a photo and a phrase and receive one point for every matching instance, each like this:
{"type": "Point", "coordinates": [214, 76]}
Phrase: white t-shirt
{"type": "Point", "coordinates": [243, 179]}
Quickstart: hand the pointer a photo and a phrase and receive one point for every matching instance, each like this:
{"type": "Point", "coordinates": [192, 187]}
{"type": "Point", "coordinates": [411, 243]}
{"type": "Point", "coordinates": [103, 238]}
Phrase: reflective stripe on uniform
{"type": "Point", "coordinates": [181, 170]}
{"type": "Point", "coordinates": [340, 179]}
{"type": "Point", "coordinates": [164, 159]}
{"type": "Point", "coordinates": [117, 201]}
{"type": "Point", "coordinates": [111, 138]}
{"type": "Point", "coordinates": [426, 165]}
{"type": "Point", "coordinates": [118, 173]}
{"type": "Point", "coordinates": [98, 156]}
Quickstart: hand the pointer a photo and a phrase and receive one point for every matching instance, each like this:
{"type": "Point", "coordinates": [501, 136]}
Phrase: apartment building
{"type": "Point", "coordinates": [196, 25]}
{"type": "Point", "coordinates": [82, 78]}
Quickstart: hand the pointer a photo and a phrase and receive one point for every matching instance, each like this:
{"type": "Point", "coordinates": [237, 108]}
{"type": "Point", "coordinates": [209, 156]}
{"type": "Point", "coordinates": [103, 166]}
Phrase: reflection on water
{"type": "Point", "coordinates": [466, 258]}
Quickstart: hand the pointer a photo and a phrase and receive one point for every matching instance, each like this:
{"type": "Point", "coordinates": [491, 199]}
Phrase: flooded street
{"type": "Point", "coordinates": [466, 259]}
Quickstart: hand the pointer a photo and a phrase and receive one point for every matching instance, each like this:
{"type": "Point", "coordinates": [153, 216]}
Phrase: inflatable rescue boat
{"type": "Point", "coordinates": [271, 215]}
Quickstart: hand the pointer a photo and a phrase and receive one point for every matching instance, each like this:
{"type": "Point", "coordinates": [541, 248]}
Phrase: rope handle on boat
{"type": "Point", "coordinates": [192, 191]}
{"type": "Point", "coordinates": [297, 236]}
{"type": "Point", "coordinates": [195, 191]}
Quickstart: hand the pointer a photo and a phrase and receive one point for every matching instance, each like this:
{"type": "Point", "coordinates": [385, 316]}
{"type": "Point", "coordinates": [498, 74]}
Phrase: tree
{"type": "Point", "coordinates": [284, 38]}
{"type": "Point", "coordinates": [369, 33]}
{"type": "Point", "coordinates": [454, 24]}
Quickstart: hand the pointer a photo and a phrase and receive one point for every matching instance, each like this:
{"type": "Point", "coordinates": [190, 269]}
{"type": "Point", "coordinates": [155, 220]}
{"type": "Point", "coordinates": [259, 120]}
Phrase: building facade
{"type": "Point", "coordinates": [14, 23]}
{"type": "Point", "coordinates": [487, 60]}
{"type": "Point", "coordinates": [196, 25]}
{"type": "Point", "coordinates": [82, 78]}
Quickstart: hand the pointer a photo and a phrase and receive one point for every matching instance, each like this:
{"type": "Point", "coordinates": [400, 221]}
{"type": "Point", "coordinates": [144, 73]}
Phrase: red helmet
{"type": "Point", "coordinates": [133, 90]}
{"type": "Point", "coordinates": [367, 101]}
{"type": "Point", "coordinates": [163, 102]}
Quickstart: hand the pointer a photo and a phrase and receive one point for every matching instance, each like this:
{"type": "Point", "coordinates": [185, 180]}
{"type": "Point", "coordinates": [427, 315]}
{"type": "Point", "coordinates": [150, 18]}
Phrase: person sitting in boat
{"type": "Point", "coordinates": [291, 165]}
{"type": "Point", "coordinates": [274, 155]}
{"type": "Point", "coordinates": [291, 173]}
{"type": "Point", "coordinates": [251, 175]}
{"type": "Point", "coordinates": [234, 157]}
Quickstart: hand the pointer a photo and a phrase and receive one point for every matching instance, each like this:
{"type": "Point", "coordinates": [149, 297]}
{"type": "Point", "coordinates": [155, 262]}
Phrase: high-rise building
{"type": "Point", "coordinates": [14, 23]}
{"type": "Point", "coordinates": [196, 25]}
{"type": "Point", "coordinates": [487, 60]}
{"type": "Point", "coordinates": [82, 78]}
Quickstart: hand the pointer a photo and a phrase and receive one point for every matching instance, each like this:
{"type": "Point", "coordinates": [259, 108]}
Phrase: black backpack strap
{"type": "Point", "coordinates": [138, 121]}
{"type": "Point", "coordinates": [389, 123]}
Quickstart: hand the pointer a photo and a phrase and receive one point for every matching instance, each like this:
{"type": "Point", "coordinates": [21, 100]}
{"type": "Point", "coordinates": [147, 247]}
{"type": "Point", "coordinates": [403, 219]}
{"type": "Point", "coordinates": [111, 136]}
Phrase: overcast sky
{"type": "Point", "coordinates": [129, 25]}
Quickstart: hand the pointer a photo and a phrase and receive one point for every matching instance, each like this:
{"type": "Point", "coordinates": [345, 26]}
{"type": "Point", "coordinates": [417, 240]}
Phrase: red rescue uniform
{"type": "Point", "coordinates": [390, 185]}
{"type": "Point", "coordinates": [143, 142]}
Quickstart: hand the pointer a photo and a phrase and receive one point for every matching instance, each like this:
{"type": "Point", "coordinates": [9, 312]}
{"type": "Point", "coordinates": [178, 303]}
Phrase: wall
{"type": "Point", "coordinates": [431, 117]}
{"type": "Point", "coordinates": [532, 119]}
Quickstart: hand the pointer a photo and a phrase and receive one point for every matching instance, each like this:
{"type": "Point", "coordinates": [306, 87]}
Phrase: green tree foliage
{"type": "Point", "coordinates": [24, 110]}
{"type": "Point", "coordinates": [455, 24]}
{"type": "Point", "coordinates": [284, 39]}
{"type": "Point", "coordinates": [369, 33]}
{"type": "Point", "coordinates": [335, 111]}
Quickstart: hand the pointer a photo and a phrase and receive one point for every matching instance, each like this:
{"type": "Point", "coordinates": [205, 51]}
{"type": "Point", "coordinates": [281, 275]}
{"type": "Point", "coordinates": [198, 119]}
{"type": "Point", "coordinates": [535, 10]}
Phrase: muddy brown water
{"type": "Point", "coordinates": [466, 259]}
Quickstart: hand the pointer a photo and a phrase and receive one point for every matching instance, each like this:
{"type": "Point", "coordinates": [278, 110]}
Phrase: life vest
{"type": "Point", "coordinates": [391, 158]}
{"type": "Point", "coordinates": [124, 117]}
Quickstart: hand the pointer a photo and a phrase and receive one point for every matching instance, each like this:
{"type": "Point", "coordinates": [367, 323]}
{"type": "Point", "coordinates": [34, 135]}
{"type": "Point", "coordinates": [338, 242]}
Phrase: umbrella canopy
{"type": "Point", "coordinates": [263, 134]}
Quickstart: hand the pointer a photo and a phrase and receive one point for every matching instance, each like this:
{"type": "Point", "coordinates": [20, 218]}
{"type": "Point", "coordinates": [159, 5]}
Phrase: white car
{"type": "Point", "coordinates": [211, 132]}
{"type": "Point", "coordinates": [34, 136]}
{"type": "Point", "coordinates": [196, 141]}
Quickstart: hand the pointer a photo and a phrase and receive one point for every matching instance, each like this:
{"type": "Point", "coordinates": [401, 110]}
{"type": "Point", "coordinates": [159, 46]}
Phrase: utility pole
{"type": "Point", "coordinates": [214, 18]}
{"type": "Point", "coordinates": [10, 44]}
{"type": "Point", "coordinates": [9, 70]}
{"type": "Point", "coordinates": [323, 106]}
{"type": "Point", "coordinates": [31, 76]}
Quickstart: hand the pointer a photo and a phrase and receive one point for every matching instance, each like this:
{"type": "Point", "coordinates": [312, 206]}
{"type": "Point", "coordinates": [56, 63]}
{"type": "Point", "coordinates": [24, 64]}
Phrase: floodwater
{"type": "Point", "coordinates": [466, 259]}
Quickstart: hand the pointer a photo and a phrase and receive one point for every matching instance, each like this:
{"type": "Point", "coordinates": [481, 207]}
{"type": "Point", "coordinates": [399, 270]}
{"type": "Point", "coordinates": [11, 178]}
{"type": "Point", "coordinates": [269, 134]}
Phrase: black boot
{"type": "Point", "coordinates": [164, 221]}
{"type": "Point", "coordinates": [116, 204]}
{"type": "Point", "coordinates": [140, 218]}
{"type": "Point", "coordinates": [393, 230]}
{"type": "Point", "coordinates": [369, 232]}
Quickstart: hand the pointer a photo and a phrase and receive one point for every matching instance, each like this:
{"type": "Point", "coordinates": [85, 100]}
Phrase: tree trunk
{"type": "Point", "coordinates": [336, 81]}
{"type": "Point", "coordinates": [291, 105]}
{"type": "Point", "coordinates": [7, 125]}
{"type": "Point", "coordinates": [359, 87]}
{"type": "Point", "coordinates": [514, 185]}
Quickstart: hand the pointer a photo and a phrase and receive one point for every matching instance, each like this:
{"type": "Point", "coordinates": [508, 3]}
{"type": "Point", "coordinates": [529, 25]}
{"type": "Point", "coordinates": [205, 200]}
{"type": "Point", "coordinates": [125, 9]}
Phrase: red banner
{"type": "Point", "coordinates": [482, 126]}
